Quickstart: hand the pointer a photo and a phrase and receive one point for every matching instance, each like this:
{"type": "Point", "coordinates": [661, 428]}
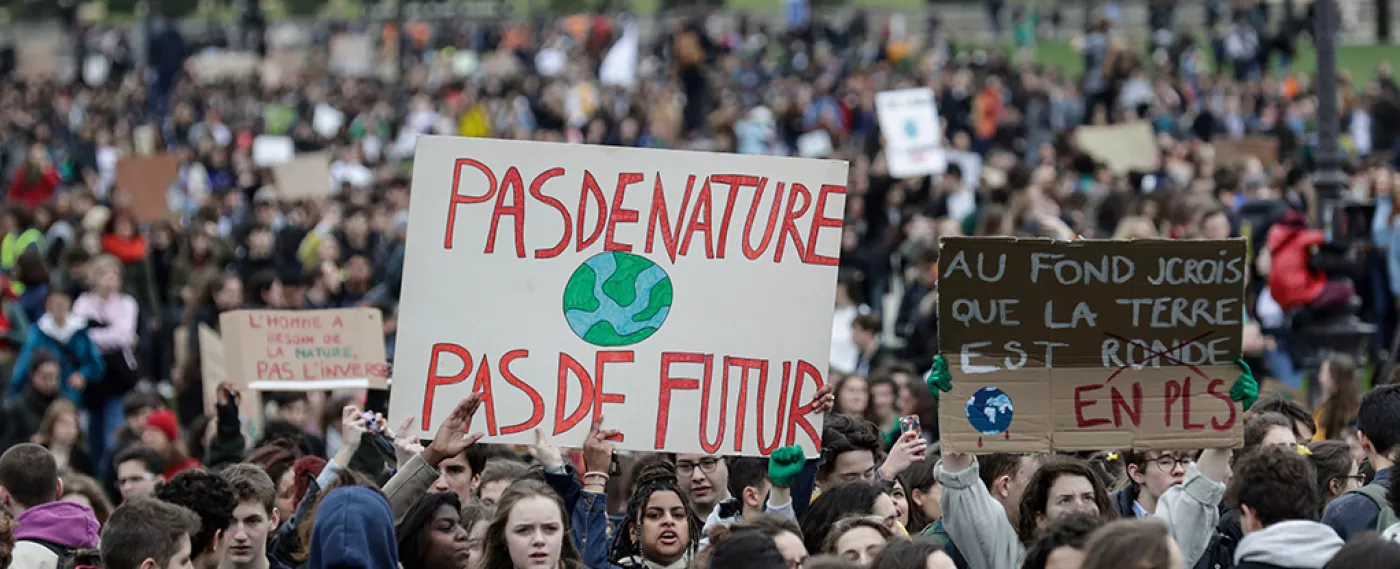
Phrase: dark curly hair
{"type": "Point", "coordinates": [1277, 482]}
{"type": "Point", "coordinates": [209, 496]}
{"type": "Point", "coordinates": [846, 500]}
{"type": "Point", "coordinates": [1035, 501]}
{"type": "Point", "coordinates": [655, 477]}
{"type": "Point", "coordinates": [842, 434]}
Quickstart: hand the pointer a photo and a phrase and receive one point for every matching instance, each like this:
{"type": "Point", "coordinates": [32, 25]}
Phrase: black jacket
{"type": "Point", "coordinates": [1220, 554]}
{"type": "Point", "coordinates": [1123, 501]}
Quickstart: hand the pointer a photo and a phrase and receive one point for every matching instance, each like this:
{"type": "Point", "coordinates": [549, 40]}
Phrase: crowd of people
{"type": "Point", "coordinates": [112, 460]}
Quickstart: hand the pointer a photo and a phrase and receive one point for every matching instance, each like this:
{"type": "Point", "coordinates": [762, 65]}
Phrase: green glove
{"type": "Point", "coordinates": [938, 379]}
{"type": "Point", "coordinates": [1246, 389]}
{"type": "Point", "coordinates": [785, 464]}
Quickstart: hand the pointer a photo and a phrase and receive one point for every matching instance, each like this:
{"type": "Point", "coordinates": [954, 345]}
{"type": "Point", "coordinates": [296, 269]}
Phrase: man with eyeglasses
{"type": "Point", "coordinates": [138, 470]}
{"type": "Point", "coordinates": [705, 478]}
{"type": "Point", "coordinates": [1152, 474]}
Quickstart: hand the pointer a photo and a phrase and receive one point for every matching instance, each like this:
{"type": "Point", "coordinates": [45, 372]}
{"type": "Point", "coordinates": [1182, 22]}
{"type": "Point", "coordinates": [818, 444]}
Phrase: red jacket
{"type": "Point", "coordinates": [1291, 282]}
{"type": "Point", "coordinates": [35, 192]}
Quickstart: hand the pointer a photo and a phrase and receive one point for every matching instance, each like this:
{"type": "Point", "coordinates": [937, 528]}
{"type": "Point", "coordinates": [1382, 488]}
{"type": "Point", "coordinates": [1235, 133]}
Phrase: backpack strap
{"type": "Point", "coordinates": [1377, 494]}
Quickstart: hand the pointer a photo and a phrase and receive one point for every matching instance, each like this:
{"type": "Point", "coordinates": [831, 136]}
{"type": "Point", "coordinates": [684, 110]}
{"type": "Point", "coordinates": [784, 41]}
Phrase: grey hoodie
{"type": "Point", "coordinates": [1294, 544]}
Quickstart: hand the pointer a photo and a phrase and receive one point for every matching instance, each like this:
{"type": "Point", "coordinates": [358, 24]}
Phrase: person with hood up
{"type": "Point", "coordinates": [1292, 282]}
{"type": "Point", "coordinates": [1273, 489]}
{"type": "Point", "coordinates": [354, 529]}
{"type": "Point", "coordinates": [29, 492]}
{"type": "Point", "coordinates": [60, 332]}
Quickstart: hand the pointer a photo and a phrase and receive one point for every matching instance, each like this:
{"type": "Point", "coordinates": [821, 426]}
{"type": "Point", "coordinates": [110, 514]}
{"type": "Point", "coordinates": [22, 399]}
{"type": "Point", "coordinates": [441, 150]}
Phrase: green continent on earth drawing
{"type": "Point", "coordinates": [617, 299]}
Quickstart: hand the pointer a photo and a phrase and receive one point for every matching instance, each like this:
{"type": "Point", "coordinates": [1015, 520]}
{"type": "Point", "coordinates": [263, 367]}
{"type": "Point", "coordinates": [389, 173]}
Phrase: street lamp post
{"type": "Point", "coordinates": [1328, 178]}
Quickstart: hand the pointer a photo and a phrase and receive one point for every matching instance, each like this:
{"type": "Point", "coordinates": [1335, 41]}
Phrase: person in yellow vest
{"type": "Point", "coordinates": [20, 235]}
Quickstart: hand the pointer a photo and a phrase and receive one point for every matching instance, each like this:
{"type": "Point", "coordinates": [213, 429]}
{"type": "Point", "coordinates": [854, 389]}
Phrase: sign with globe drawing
{"type": "Point", "coordinates": [913, 136]}
{"type": "Point", "coordinates": [1088, 345]}
{"type": "Point", "coordinates": [673, 294]}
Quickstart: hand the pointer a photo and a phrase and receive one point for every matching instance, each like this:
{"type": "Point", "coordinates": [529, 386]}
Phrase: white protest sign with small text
{"type": "Point", "coordinates": [909, 122]}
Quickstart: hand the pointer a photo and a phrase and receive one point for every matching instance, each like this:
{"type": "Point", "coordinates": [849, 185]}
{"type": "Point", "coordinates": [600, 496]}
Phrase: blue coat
{"type": "Point", "coordinates": [70, 344]}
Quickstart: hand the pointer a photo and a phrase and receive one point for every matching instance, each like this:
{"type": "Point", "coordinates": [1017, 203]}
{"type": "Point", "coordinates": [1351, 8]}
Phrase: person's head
{"type": "Point", "coordinates": [1337, 471]}
{"type": "Point", "coordinates": [476, 517]}
{"type": "Point", "coordinates": [1154, 472]}
{"type": "Point", "coordinates": [917, 553]}
{"type": "Point", "coordinates": [254, 518]}
{"type": "Point", "coordinates": [1267, 429]}
{"type": "Point", "coordinates": [1338, 409]}
{"type": "Point", "coordinates": [660, 524]}
{"type": "Point", "coordinates": [107, 276]}
{"type": "Point", "coordinates": [852, 396]}
{"type": "Point", "coordinates": [353, 527]}
{"type": "Point", "coordinates": [431, 533]}
{"type": "Point", "coordinates": [858, 539]}
{"type": "Point", "coordinates": [1300, 420]}
{"type": "Point", "coordinates": [530, 531]}
{"type": "Point", "coordinates": [1140, 544]}
{"type": "Point", "coordinates": [850, 499]}
{"type": "Point", "coordinates": [1006, 476]}
{"type": "Point", "coordinates": [1272, 484]}
{"type": "Point", "coordinates": [138, 471]}
{"type": "Point", "coordinates": [884, 393]}
{"type": "Point", "coordinates": [747, 550]}
{"type": "Point", "coordinates": [265, 289]}
{"type": "Point", "coordinates": [80, 489]}
{"type": "Point", "coordinates": [135, 407]}
{"type": "Point", "coordinates": [1367, 551]}
{"type": "Point", "coordinates": [850, 447]}
{"type": "Point", "coordinates": [59, 305]}
{"type": "Point", "coordinates": [146, 533]}
{"type": "Point", "coordinates": [748, 481]}
{"type": "Point", "coordinates": [786, 534]}
{"type": "Point", "coordinates": [43, 373]}
{"type": "Point", "coordinates": [459, 474]}
{"type": "Point", "coordinates": [277, 458]}
{"type": "Point", "coordinates": [28, 478]}
{"type": "Point", "coordinates": [865, 331]}
{"type": "Point", "coordinates": [924, 495]}
{"type": "Point", "coordinates": [210, 497]}
{"type": "Point", "coordinates": [293, 407]}
{"type": "Point", "coordinates": [496, 477]}
{"type": "Point", "coordinates": [31, 269]}
{"type": "Point", "coordinates": [704, 478]}
{"type": "Point", "coordinates": [1061, 544]}
{"type": "Point", "coordinates": [1061, 487]}
{"type": "Point", "coordinates": [161, 431]}
{"type": "Point", "coordinates": [1378, 424]}
{"type": "Point", "coordinates": [60, 426]}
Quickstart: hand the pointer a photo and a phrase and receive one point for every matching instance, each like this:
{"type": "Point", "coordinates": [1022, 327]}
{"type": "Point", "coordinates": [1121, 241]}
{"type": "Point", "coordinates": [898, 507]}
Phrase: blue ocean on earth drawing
{"type": "Point", "coordinates": [990, 411]}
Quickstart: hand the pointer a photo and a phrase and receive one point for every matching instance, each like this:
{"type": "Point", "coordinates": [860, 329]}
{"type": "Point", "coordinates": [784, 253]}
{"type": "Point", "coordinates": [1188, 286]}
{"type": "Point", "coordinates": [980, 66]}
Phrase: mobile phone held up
{"type": "Point", "coordinates": [909, 424]}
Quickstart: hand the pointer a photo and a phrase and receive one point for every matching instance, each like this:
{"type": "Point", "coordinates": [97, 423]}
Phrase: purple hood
{"type": "Point", "coordinates": [62, 523]}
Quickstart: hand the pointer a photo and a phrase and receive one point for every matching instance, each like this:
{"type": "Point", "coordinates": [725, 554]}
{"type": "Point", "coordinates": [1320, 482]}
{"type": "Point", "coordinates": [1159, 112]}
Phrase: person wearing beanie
{"type": "Point", "coordinates": [162, 434]}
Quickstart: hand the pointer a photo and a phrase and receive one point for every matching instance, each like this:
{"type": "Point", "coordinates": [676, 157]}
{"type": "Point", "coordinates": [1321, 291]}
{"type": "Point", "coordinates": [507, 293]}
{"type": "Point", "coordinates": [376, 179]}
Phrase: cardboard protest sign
{"type": "Point", "coordinates": [685, 296]}
{"type": "Point", "coordinates": [39, 59]}
{"type": "Point", "coordinates": [304, 350]}
{"type": "Point", "coordinates": [1090, 344]}
{"type": "Point", "coordinates": [909, 123]}
{"type": "Point", "coordinates": [352, 55]}
{"type": "Point", "coordinates": [143, 184]}
{"type": "Point", "coordinates": [1123, 147]}
{"type": "Point", "coordinates": [1233, 151]}
{"type": "Point", "coordinates": [308, 176]}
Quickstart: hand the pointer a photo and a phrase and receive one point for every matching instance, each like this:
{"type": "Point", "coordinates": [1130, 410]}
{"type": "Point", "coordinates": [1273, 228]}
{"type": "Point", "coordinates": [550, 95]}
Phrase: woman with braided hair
{"type": "Point", "coordinates": [661, 529]}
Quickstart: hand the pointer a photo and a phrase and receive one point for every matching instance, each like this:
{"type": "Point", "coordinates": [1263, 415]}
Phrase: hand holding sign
{"type": "Point", "coordinates": [406, 445]}
{"type": "Point", "coordinates": [452, 438]}
{"type": "Point", "coordinates": [544, 451]}
{"type": "Point", "coordinates": [598, 447]}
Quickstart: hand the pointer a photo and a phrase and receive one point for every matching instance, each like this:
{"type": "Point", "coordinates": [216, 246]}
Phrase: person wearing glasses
{"type": "Point", "coordinates": [705, 478]}
{"type": "Point", "coordinates": [139, 468]}
{"type": "Point", "coordinates": [1337, 472]}
{"type": "Point", "coordinates": [1150, 474]}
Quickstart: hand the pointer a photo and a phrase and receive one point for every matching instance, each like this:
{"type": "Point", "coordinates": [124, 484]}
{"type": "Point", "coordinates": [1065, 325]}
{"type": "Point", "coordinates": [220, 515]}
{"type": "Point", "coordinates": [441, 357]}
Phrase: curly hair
{"type": "Point", "coordinates": [655, 477]}
{"type": "Point", "coordinates": [1277, 483]}
{"type": "Point", "coordinates": [850, 499]}
{"type": "Point", "coordinates": [209, 496]}
{"type": "Point", "coordinates": [1036, 498]}
{"type": "Point", "coordinates": [7, 538]}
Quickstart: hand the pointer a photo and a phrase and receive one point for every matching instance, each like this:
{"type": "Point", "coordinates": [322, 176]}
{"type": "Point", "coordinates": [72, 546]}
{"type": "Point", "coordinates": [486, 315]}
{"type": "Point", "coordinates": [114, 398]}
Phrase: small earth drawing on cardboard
{"type": "Point", "coordinates": [990, 411]}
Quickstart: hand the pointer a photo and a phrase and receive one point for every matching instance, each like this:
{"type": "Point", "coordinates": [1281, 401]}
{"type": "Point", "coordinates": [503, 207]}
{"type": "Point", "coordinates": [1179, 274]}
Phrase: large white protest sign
{"type": "Point", "coordinates": [909, 121]}
{"type": "Point", "coordinates": [685, 296]}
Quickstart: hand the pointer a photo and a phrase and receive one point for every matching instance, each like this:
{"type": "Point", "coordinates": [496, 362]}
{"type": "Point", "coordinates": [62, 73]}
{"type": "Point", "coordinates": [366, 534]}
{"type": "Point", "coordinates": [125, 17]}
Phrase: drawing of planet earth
{"type": "Point", "coordinates": [911, 129]}
{"type": "Point", "coordinates": [989, 410]}
{"type": "Point", "coordinates": [617, 299]}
